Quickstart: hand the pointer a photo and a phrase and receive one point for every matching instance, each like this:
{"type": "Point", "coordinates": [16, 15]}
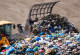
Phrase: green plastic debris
{"type": "Point", "coordinates": [71, 37]}
{"type": "Point", "coordinates": [36, 48]}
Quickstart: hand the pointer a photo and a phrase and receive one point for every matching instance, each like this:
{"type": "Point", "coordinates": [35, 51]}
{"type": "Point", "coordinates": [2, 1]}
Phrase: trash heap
{"type": "Point", "coordinates": [51, 35]}
{"type": "Point", "coordinates": [53, 23]}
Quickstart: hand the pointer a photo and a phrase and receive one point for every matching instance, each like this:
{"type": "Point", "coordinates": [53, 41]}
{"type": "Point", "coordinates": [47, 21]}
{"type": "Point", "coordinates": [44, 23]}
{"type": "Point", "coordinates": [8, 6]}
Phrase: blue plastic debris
{"type": "Point", "coordinates": [78, 38]}
{"type": "Point", "coordinates": [52, 29]}
{"type": "Point", "coordinates": [29, 49]}
{"type": "Point", "coordinates": [41, 33]}
{"type": "Point", "coordinates": [37, 38]}
{"type": "Point", "coordinates": [55, 47]}
{"type": "Point", "coordinates": [49, 36]}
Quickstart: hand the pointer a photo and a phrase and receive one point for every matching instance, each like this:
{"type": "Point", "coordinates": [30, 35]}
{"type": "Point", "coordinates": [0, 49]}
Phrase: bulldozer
{"type": "Point", "coordinates": [5, 33]}
{"type": "Point", "coordinates": [36, 11]}
{"type": "Point", "coordinates": [5, 30]}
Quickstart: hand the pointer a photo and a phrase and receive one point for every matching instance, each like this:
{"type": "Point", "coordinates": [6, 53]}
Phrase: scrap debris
{"type": "Point", "coordinates": [50, 35]}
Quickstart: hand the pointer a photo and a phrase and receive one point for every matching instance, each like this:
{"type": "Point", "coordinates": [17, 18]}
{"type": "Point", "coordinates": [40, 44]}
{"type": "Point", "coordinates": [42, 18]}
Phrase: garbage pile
{"type": "Point", "coordinates": [53, 23]}
{"type": "Point", "coordinates": [51, 35]}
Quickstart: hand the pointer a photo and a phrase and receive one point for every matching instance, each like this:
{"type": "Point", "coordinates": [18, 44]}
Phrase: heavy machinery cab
{"type": "Point", "coordinates": [5, 32]}
{"type": "Point", "coordinates": [5, 28]}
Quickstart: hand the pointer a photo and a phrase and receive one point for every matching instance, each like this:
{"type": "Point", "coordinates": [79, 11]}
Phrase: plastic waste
{"type": "Point", "coordinates": [29, 49]}
{"type": "Point", "coordinates": [37, 38]}
{"type": "Point", "coordinates": [36, 48]}
{"type": "Point", "coordinates": [55, 47]}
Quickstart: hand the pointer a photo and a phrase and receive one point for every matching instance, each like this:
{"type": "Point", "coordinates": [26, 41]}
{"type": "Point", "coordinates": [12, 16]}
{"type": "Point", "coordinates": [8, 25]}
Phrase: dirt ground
{"type": "Point", "coordinates": [17, 11]}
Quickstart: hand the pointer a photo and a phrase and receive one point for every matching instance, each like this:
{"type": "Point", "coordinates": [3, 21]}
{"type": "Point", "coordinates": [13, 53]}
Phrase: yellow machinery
{"type": "Point", "coordinates": [4, 41]}
{"type": "Point", "coordinates": [36, 10]}
{"type": "Point", "coordinates": [5, 30]}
